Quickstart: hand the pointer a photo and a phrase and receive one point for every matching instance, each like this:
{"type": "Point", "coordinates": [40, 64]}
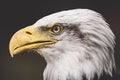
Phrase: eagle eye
{"type": "Point", "coordinates": [56, 29]}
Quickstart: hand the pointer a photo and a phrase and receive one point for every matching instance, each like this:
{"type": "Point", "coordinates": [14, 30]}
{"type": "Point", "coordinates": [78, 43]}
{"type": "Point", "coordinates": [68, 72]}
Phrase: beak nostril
{"type": "Point", "coordinates": [27, 32]}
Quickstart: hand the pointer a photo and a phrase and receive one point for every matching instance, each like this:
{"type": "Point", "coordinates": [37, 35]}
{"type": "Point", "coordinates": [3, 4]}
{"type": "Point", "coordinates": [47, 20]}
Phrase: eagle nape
{"type": "Point", "coordinates": [76, 44]}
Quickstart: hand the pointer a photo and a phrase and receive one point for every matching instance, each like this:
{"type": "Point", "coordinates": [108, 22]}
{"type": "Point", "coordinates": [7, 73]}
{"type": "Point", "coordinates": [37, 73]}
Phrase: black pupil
{"type": "Point", "coordinates": [56, 28]}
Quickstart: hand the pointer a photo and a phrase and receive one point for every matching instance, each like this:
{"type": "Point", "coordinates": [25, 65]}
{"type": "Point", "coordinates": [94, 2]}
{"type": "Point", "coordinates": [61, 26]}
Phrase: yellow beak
{"type": "Point", "coordinates": [29, 38]}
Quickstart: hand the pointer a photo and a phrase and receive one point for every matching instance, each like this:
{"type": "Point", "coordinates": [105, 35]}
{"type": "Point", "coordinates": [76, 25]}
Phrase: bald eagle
{"type": "Point", "coordinates": [74, 43]}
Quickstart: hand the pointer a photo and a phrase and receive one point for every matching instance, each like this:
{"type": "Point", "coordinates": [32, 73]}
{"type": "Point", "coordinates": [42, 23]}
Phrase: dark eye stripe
{"type": "Point", "coordinates": [59, 28]}
{"type": "Point", "coordinates": [71, 28]}
{"type": "Point", "coordinates": [44, 28]}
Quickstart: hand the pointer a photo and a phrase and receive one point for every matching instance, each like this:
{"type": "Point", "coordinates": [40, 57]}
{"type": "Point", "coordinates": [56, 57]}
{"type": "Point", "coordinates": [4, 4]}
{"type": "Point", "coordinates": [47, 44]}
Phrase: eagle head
{"type": "Point", "coordinates": [74, 43]}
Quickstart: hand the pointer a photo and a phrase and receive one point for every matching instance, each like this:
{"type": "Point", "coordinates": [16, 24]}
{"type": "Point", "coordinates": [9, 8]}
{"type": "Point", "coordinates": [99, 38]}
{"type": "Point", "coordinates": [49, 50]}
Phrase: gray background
{"type": "Point", "coordinates": [15, 15]}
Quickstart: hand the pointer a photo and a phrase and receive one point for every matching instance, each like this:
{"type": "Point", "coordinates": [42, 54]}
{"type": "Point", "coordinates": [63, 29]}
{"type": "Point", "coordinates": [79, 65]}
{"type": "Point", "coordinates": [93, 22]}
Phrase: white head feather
{"type": "Point", "coordinates": [85, 50]}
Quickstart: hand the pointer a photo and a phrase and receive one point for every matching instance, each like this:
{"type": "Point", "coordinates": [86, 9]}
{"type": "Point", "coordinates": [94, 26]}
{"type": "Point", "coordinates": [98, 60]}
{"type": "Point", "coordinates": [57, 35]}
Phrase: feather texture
{"type": "Point", "coordinates": [86, 46]}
